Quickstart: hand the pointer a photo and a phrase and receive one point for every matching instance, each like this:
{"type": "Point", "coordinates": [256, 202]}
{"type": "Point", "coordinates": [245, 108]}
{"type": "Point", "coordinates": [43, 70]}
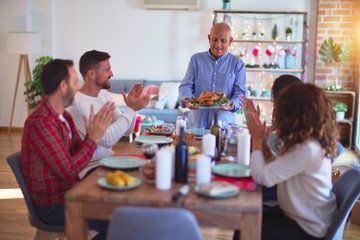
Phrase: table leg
{"type": "Point", "coordinates": [251, 227]}
{"type": "Point", "coordinates": [76, 227]}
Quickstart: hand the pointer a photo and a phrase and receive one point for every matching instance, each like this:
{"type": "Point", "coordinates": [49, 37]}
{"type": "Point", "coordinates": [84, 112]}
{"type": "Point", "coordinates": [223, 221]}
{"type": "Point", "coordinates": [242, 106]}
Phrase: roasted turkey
{"type": "Point", "coordinates": [211, 96]}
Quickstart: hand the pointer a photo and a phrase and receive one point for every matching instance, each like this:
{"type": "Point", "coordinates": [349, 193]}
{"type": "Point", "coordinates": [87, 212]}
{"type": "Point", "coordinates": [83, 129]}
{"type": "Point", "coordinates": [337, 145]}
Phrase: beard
{"type": "Point", "coordinates": [103, 85]}
{"type": "Point", "coordinates": [69, 97]}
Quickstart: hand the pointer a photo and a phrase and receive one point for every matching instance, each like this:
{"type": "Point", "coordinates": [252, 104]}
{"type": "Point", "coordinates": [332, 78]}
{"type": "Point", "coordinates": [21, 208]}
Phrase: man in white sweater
{"type": "Point", "coordinates": [96, 71]}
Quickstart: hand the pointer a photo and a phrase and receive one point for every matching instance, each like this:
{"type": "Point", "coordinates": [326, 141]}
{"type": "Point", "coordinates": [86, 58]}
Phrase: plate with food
{"type": "Point", "coordinates": [233, 170]}
{"type": "Point", "coordinates": [122, 162]}
{"type": "Point", "coordinates": [165, 129]}
{"type": "Point", "coordinates": [119, 180]}
{"type": "Point", "coordinates": [210, 100]}
{"type": "Point", "coordinates": [217, 189]}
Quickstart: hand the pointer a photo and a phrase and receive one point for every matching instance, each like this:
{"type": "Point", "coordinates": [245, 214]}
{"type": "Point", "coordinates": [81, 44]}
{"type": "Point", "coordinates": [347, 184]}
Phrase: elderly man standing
{"type": "Point", "coordinates": [215, 70]}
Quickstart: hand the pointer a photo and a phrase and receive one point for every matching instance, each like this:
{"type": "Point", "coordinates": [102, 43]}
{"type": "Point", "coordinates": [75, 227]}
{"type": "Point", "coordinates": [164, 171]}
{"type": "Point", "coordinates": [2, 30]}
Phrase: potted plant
{"type": "Point", "coordinates": [288, 33]}
{"type": "Point", "coordinates": [334, 53]}
{"type": "Point", "coordinates": [33, 87]}
{"type": "Point", "coordinates": [340, 109]}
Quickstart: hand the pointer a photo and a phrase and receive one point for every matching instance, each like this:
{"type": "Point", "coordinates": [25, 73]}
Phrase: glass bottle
{"type": "Point", "coordinates": [181, 159]}
{"type": "Point", "coordinates": [216, 130]}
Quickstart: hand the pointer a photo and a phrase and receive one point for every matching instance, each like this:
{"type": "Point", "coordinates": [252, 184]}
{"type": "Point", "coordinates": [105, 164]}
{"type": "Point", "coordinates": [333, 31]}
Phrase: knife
{"type": "Point", "coordinates": [182, 191]}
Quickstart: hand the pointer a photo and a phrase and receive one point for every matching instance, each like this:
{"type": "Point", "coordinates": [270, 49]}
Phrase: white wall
{"type": "Point", "coordinates": [146, 44]}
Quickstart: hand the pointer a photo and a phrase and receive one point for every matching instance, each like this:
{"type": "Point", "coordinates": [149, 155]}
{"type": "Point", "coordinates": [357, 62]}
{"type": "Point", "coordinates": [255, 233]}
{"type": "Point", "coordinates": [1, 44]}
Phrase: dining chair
{"type": "Point", "coordinates": [44, 231]}
{"type": "Point", "coordinates": [133, 223]}
{"type": "Point", "coordinates": [347, 191]}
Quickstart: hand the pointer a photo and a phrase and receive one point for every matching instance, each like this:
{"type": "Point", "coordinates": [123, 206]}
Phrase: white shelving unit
{"type": "Point", "coordinates": [263, 54]}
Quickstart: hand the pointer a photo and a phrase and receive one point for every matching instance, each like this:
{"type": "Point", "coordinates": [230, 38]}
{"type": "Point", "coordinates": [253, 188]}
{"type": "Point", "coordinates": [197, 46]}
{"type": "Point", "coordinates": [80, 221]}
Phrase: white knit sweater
{"type": "Point", "coordinates": [304, 183]}
{"type": "Point", "coordinates": [122, 124]}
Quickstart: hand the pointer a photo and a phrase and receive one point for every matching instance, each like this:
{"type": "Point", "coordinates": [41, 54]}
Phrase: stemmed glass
{"type": "Point", "coordinates": [149, 150]}
{"type": "Point", "coordinates": [168, 129]}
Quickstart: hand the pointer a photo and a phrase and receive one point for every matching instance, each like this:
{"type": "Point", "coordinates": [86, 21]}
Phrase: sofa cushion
{"type": "Point", "coordinates": [117, 86]}
{"type": "Point", "coordinates": [171, 90]}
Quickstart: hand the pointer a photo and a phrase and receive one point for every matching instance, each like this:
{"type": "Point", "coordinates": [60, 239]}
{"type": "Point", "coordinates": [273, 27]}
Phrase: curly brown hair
{"type": "Point", "coordinates": [303, 113]}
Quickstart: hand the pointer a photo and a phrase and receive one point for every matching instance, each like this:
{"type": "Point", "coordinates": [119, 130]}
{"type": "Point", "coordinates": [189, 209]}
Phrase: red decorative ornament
{"type": "Point", "coordinates": [269, 51]}
{"type": "Point", "coordinates": [255, 51]}
{"type": "Point", "coordinates": [243, 53]}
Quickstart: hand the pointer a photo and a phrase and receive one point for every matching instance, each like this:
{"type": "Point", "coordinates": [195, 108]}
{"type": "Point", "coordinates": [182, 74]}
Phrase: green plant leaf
{"type": "Point", "coordinates": [340, 107]}
{"type": "Point", "coordinates": [346, 52]}
{"type": "Point", "coordinates": [33, 87]}
{"type": "Point", "coordinates": [330, 51]}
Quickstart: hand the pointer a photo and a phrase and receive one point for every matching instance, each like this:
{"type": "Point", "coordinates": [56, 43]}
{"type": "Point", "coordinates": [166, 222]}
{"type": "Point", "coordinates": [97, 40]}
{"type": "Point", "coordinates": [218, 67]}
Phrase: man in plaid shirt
{"type": "Point", "coordinates": [52, 152]}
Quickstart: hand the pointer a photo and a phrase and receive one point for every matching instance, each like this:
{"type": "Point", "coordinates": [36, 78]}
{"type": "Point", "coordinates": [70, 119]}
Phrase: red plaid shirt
{"type": "Point", "coordinates": [50, 160]}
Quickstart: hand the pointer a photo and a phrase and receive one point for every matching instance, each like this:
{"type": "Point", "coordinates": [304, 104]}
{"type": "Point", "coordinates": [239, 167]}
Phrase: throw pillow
{"type": "Point", "coordinates": [160, 104]}
{"type": "Point", "coordinates": [171, 90]}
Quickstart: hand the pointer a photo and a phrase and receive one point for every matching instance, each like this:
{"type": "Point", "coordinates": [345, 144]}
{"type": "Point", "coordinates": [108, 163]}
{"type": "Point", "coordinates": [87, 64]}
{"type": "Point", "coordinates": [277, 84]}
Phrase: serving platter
{"type": "Point", "coordinates": [217, 106]}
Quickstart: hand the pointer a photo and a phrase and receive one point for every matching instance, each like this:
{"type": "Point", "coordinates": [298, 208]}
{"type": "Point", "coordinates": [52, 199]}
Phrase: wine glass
{"type": "Point", "coordinates": [149, 150]}
{"type": "Point", "coordinates": [168, 128]}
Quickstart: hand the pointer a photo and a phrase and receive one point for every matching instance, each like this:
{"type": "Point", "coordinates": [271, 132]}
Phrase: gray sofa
{"type": "Point", "coordinates": [166, 114]}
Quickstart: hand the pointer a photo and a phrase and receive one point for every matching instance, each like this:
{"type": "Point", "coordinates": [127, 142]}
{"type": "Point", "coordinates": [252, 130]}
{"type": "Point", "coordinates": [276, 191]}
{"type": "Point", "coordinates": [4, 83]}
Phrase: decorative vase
{"type": "Point", "coordinates": [340, 115]}
{"type": "Point", "coordinates": [289, 61]}
{"type": "Point", "coordinates": [226, 5]}
{"type": "Point", "coordinates": [281, 62]}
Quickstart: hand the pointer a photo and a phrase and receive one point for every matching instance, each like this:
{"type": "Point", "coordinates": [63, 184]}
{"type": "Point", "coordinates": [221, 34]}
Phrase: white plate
{"type": "Point", "coordinates": [103, 183]}
{"type": "Point", "coordinates": [122, 162]}
{"type": "Point", "coordinates": [234, 170]}
{"type": "Point", "coordinates": [154, 139]}
{"type": "Point", "coordinates": [223, 195]}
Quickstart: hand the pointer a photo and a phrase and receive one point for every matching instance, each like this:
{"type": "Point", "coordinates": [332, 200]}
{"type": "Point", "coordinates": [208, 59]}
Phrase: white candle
{"type": "Point", "coordinates": [180, 123]}
{"type": "Point", "coordinates": [243, 148]}
{"type": "Point", "coordinates": [203, 170]}
{"type": "Point", "coordinates": [208, 144]}
{"type": "Point", "coordinates": [163, 169]}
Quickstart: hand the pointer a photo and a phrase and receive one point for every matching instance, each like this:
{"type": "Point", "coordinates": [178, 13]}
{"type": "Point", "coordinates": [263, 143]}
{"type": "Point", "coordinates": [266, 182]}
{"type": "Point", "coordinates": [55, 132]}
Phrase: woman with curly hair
{"type": "Point", "coordinates": [302, 170]}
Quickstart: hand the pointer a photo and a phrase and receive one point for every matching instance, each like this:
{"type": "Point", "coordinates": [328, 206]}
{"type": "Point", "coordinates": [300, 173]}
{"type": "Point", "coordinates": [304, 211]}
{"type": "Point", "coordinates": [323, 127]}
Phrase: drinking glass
{"type": "Point", "coordinates": [168, 128]}
{"type": "Point", "coordinates": [231, 142]}
{"type": "Point", "coordinates": [149, 150]}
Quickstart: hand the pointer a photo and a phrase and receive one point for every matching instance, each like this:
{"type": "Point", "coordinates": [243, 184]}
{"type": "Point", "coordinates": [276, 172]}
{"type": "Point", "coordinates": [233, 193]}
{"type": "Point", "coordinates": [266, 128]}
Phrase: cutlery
{"type": "Point", "coordinates": [182, 191]}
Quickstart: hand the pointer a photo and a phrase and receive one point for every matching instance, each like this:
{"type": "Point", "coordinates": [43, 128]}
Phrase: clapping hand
{"type": "Point", "coordinates": [248, 105]}
{"type": "Point", "coordinates": [258, 130]}
{"type": "Point", "coordinates": [137, 98]}
{"type": "Point", "coordinates": [97, 124]}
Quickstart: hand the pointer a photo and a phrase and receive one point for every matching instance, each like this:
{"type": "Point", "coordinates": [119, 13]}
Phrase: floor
{"type": "Point", "coordinates": [13, 213]}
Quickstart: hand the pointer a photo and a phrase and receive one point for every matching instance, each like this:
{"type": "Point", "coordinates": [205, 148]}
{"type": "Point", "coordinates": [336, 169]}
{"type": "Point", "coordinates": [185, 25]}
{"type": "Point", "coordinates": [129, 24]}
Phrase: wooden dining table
{"type": "Point", "coordinates": [87, 200]}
